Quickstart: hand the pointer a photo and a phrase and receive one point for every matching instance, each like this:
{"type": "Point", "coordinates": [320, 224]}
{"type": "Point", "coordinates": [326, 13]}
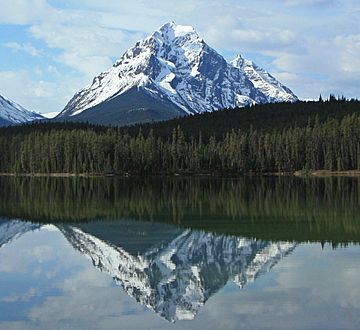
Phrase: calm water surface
{"type": "Point", "coordinates": [112, 253]}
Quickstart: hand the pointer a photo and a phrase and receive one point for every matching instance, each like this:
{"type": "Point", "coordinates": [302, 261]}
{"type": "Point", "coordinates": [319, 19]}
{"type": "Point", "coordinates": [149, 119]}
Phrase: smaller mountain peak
{"type": "Point", "coordinates": [168, 25]}
{"type": "Point", "coordinates": [238, 57]}
{"type": "Point", "coordinates": [238, 61]}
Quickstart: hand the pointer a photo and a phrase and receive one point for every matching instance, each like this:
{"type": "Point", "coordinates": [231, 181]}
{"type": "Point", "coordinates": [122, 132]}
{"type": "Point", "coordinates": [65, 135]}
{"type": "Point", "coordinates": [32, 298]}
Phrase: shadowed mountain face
{"type": "Point", "coordinates": [4, 122]}
{"type": "Point", "coordinates": [171, 271]}
{"type": "Point", "coordinates": [171, 73]}
{"type": "Point", "coordinates": [134, 106]}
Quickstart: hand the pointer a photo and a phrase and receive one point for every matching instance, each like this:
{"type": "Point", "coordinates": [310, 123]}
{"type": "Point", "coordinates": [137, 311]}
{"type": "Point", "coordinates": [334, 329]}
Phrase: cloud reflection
{"type": "Point", "coordinates": [314, 288]}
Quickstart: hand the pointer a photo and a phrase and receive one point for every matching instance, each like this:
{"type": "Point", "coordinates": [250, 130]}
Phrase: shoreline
{"type": "Point", "coordinates": [57, 175]}
{"type": "Point", "coordinates": [319, 173]}
{"type": "Point", "coordinates": [325, 173]}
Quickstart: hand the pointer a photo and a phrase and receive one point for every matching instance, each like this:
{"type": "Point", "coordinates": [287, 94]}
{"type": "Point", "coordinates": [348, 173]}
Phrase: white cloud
{"type": "Point", "coordinates": [23, 12]}
{"type": "Point", "coordinates": [322, 3]}
{"type": "Point", "coordinates": [25, 88]}
{"type": "Point", "coordinates": [25, 47]}
{"type": "Point", "coordinates": [308, 39]}
{"type": "Point", "coordinates": [349, 59]}
{"type": "Point", "coordinates": [23, 297]}
{"type": "Point", "coordinates": [326, 66]}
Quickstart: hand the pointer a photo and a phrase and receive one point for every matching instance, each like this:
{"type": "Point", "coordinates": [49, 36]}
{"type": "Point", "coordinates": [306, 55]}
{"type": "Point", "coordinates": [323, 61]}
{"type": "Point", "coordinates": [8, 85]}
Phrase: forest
{"type": "Point", "coordinates": [264, 139]}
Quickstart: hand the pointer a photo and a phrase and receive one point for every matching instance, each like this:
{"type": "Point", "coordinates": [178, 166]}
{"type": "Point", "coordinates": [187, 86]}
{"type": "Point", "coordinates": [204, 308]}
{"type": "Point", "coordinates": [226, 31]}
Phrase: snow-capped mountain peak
{"type": "Point", "coordinates": [177, 70]}
{"type": "Point", "coordinates": [12, 113]}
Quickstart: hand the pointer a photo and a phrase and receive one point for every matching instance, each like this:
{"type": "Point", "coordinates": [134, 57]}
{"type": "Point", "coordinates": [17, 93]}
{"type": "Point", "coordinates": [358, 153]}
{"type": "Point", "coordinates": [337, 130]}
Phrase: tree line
{"type": "Point", "coordinates": [262, 117]}
{"type": "Point", "coordinates": [323, 143]}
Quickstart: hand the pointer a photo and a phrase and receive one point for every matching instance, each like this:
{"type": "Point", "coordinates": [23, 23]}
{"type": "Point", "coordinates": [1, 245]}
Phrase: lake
{"type": "Point", "coordinates": [179, 253]}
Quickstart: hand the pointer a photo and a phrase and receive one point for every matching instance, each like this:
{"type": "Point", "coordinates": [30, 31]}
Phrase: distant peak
{"type": "Point", "coordinates": [15, 113]}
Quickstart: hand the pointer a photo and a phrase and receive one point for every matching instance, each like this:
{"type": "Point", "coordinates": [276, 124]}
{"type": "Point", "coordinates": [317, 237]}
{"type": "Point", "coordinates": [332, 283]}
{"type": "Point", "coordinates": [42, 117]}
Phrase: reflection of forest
{"type": "Point", "coordinates": [325, 209]}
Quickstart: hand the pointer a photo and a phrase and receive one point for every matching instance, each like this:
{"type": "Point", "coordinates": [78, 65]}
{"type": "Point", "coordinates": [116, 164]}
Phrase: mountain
{"type": "Point", "coordinates": [12, 113]}
{"type": "Point", "coordinates": [180, 270]}
{"type": "Point", "coordinates": [171, 73]}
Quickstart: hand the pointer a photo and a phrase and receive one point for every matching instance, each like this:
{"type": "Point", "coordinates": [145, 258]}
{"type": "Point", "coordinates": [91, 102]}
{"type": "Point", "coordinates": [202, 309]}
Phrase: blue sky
{"type": "Point", "coordinates": [49, 49]}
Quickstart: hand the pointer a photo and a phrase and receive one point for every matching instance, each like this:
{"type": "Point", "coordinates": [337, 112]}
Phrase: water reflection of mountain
{"type": "Point", "coordinates": [12, 229]}
{"type": "Point", "coordinates": [170, 270]}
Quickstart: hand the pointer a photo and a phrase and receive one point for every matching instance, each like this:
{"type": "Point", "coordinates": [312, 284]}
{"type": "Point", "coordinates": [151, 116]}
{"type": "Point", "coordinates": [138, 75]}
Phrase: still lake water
{"type": "Point", "coordinates": [127, 253]}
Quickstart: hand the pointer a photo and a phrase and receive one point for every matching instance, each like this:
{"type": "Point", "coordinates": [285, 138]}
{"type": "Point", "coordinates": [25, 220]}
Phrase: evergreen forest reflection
{"type": "Point", "coordinates": [269, 208]}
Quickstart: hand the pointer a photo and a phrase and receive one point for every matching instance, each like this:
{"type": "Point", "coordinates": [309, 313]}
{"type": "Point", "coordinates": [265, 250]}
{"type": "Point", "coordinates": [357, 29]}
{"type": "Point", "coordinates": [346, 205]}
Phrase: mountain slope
{"type": "Point", "coordinates": [12, 113]}
{"type": "Point", "coordinates": [178, 71]}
